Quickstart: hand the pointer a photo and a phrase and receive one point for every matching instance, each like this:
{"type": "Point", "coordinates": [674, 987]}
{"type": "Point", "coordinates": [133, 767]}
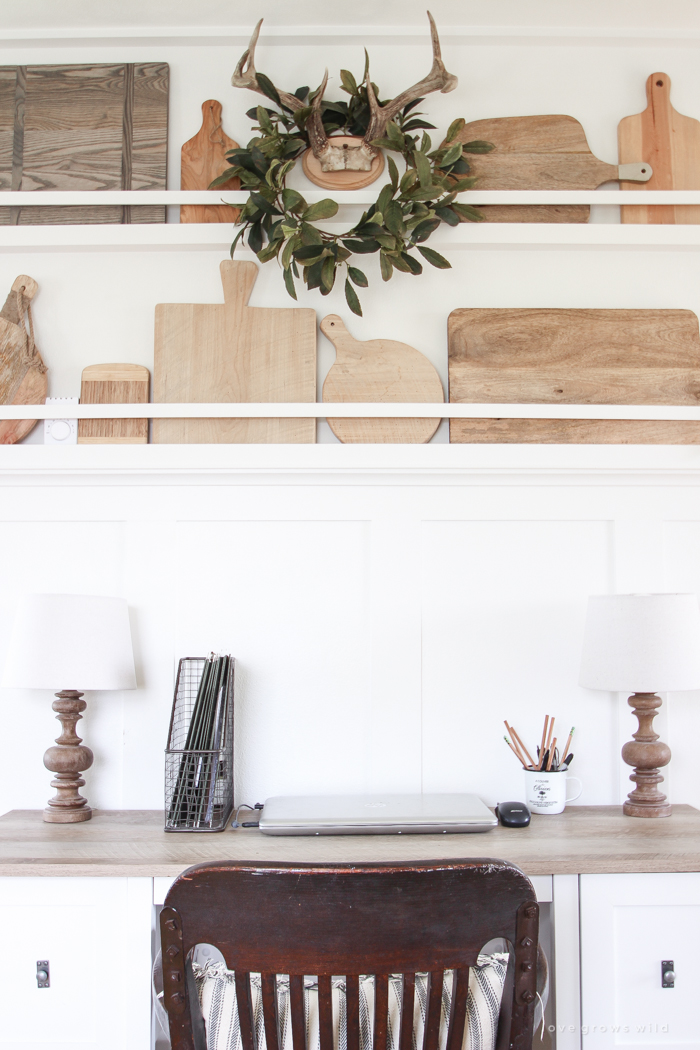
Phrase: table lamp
{"type": "Point", "coordinates": [643, 643]}
{"type": "Point", "coordinates": [78, 640]}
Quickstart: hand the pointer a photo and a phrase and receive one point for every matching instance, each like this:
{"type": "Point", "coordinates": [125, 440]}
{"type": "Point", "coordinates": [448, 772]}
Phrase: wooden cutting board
{"type": "Point", "coordinates": [116, 384]}
{"type": "Point", "coordinates": [23, 379]}
{"type": "Point", "coordinates": [378, 370]}
{"type": "Point", "coordinates": [203, 159]}
{"type": "Point", "coordinates": [671, 143]}
{"type": "Point", "coordinates": [83, 127]}
{"type": "Point", "coordinates": [548, 152]}
{"type": "Point", "coordinates": [569, 357]}
{"type": "Point", "coordinates": [234, 352]}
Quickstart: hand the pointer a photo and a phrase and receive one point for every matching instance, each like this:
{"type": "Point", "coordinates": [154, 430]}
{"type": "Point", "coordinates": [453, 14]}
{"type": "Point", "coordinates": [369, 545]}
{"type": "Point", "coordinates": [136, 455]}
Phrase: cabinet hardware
{"type": "Point", "coordinates": [668, 976]}
{"type": "Point", "coordinates": [43, 978]}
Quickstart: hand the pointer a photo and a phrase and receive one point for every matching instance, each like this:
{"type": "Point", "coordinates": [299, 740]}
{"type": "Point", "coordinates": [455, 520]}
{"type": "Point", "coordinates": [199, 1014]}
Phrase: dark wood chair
{"type": "Point", "coordinates": [327, 920]}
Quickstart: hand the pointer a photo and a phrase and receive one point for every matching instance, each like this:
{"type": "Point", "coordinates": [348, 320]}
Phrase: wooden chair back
{"type": "Point", "coordinates": [345, 920]}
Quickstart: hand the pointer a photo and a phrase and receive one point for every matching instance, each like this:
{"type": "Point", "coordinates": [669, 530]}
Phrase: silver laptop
{"type": "Point", "coordinates": [375, 815]}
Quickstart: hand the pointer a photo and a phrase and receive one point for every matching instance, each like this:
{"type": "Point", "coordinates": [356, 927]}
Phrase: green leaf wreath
{"type": "Point", "coordinates": [279, 223]}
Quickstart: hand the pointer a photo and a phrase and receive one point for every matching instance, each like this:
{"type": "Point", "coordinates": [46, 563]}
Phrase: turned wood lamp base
{"type": "Point", "coordinates": [647, 754]}
{"type": "Point", "coordinates": [68, 759]}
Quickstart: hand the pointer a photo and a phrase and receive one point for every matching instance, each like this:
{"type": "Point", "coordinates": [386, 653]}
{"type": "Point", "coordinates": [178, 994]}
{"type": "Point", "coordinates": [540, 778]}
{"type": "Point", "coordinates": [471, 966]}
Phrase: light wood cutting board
{"type": "Point", "coordinates": [203, 159]}
{"type": "Point", "coordinates": [378, 370]}
{"type": "Point", "coordinates": [671, 143]}
{"type": "Point", "coordinates": [569, 357]}
{"type": "Point", "coordinates": [234, 352]}
{"type": "Point", "coordinates": [548, 152]}
{"type": "Point", "coordinates": [116, 384]}
{"type": "Point", "coordinates": [23, 379]}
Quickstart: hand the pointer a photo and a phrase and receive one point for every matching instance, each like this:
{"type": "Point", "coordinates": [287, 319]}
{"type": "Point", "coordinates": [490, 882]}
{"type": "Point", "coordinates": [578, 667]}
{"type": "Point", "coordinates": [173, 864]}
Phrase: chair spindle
{"type": "Point", "coordinates": [433, 1006]}
{"type": "Point", "coordinates": [352, 1006]}
{"type": "Point", "coordinates": [381, 1011]}
{"type": "Point", "coordinates": [244, 1003]}
{"type": "Point", "coordinates": [268, 984]}
{"type": "Point", "coordinates": [296, 1002]}
{"type": "Point", "coordinates": [407, 1004]}
{"type": "Point", "coordinates": [458, 1009]}
{"type": "Point", "coordinates": [325, 1013]}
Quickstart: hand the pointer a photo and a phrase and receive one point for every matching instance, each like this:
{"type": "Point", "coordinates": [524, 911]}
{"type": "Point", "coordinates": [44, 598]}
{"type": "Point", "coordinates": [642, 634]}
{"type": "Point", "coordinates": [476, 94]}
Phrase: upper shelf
{"type": "Point", "coordinates": [218, 236]}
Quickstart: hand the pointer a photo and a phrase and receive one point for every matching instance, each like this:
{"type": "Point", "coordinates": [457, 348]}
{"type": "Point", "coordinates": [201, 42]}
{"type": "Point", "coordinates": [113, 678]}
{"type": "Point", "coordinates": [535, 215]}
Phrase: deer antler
{"type": "Point", "coordinates": [247, 77]}
{"type": "Point", "coordinates": [438, 79]}
{"type": "Point", "coordinates": [318, 140]}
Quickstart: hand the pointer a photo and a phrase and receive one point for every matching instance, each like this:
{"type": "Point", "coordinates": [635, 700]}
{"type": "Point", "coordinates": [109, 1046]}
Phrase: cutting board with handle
{"type": "Point", "coordinates": [117, 384]}
{"type": "Point", "coordinates": [378, 370]}
{"type": "Point", "coordinates": [23, 379]}
{"type": "Point", "coordinates": [203, 159]}
{"type": "Point", "coordinates": [574, 357]}
{"type": "Point", "coordinates": [548, 152]}
{"type": "Point", "coordinates": [234, 352]}
{"type": "Point", "coordinates": [671, 142]}
{"type": "Point", "coordinates": [97, 127]}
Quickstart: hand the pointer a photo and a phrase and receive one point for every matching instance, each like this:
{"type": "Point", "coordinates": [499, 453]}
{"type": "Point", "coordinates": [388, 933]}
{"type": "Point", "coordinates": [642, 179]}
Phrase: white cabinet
{"type": "Point", "coordinates": [96, 935]}
{"type": "Point", "coordinates": [629, 924]}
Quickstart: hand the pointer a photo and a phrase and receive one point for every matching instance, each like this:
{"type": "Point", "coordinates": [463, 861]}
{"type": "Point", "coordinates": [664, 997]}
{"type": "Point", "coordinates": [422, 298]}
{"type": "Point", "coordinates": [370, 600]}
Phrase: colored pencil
{"type": "Point", "coordinates": [568, 745]}
{"type": "Point", "coordinates": [551, 754]}
{"type": "Point", "coordinates": [517, 739]}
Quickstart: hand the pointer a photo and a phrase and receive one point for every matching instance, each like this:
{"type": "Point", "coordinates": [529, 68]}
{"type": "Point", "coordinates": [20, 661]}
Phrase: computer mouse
{"type": "Point", "coordinates": [513, 814]}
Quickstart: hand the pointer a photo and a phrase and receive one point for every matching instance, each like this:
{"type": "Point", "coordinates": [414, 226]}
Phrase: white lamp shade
{"type": "Point", "coordinates": [641, 643]}
{"type": "Point", "coordinates": [70, 641]}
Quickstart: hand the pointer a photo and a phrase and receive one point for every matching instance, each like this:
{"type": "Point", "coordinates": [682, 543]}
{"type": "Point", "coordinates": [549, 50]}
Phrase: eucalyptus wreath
{"type": "Point", "coordinates": [277, 222]}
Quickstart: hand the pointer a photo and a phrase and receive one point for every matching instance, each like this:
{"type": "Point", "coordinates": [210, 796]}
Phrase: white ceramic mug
{"type": "Point", "coordinates": [546, 792]}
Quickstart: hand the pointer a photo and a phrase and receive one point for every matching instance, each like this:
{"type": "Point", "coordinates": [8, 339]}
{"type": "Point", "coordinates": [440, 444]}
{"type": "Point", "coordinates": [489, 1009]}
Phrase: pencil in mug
{"type": "Point", "coordinates": [516, 737]}
{"type": "Point", "coordinates": [544, 737]}
{"type": "Point", "coordinates": [517, 748]}
{"type": "Point", "coordinates": [519, 757]}
{"type": "Point", "coordinates": [568, 745]}
{"type": "Point", "coordinates": [551, 755]}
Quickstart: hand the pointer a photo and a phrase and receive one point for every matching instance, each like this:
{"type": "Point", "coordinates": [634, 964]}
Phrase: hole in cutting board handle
{"type": "Point", "coordinates": [659, 83]}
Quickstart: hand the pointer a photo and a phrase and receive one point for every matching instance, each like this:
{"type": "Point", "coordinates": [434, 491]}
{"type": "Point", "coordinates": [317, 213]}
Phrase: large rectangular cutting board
{"type": "Point", "coordinates": [234, 352]}
{"type": "Point", "coordinates": [83, 127]}
{"type": "Point", "coordinates": [569, 357]}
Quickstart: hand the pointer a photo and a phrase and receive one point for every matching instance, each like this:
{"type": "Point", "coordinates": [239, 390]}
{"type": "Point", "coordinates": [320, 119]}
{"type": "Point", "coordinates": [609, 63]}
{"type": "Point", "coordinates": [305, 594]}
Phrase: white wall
{"type": "Point", "coordinates": [384, 625]}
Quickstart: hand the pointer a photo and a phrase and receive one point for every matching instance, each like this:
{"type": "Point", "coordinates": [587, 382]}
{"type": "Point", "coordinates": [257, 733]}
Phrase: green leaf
{"type": "Point", "coordinates": [270, 252]}
{"type": "Point", "coordinates": [415, 124]}
{"type": "Point", "coordinates": [400, 263]}
{"type": "Point", "coordinates": [293, 201]}
{"type": "Point", "coordinates": [424, 229]}
{"type": "Point", "coordinates": [352, 300]}
{"type": "Point", "coordinates": [408, 180]}
{"type": "Point", "coordinates": [289, 283]}
{"type": "Point", "coordinates": [325, 209]}
{"type": "Point", "coordinates": [393, 218]}
{"type": "Point", "coordinates": [348, 82]}
{"type": "Point", "coordinates": [434, 258]}
{"type": "Point", "coordinates": [264, 120]}
{"type": "Point", "coordinates": [414, 266]}
{"type": "Point", "coordinates": [222, 179]}
{"type": "Point", "coordinates": [395, 135]}
{"type": "Point", "coordinates": [393, 173]}
{"type": "Point", "coordinates": [287, 252]}
{"type": "Point", "coordinates": [310, 235]}
{"type": "Point", "coordinates": [309, 254]}
{"type": "Point", "coordinates": [425, 144]}
{"type": "Point", "coordinates": [312, 275]}
{"type": "Point", "coordinates": [452, 154]}
{"type": "Point", "coordinates": [357, 277]}
{"type": "Point", "coordinates": [454, 129]}
{"type": "Point", "coordinates": [447, 215]}
{"type": "Point", "coordinates": [364, 247]}
{"type": "Point", "coordinates": [386, 194]}
{"type": "Point", "coordinates": [264, 205]}
{"type": "Point", "coordinates": [327, 275]}
{"type": "Point", "coordinates": [255, 238]}
{"type": "Point", "coordinates": [386, 266]}
{"type": "Point", "coordinates": [467, 213]}
{"type": "Point", "coordinates": [478, 146]}
{"type": "Point", "coordinates": [463, 184]}
{"type": "Point", "coordinates": [268, 88]}
{"type": "Point", "coordinates": [368, 229]}
{"type": "Point", "coordinates": [424, 169]}
{"type": "Point", "coordinates": [237, 239]}
{"type": "Point", "coordinates": [388, 240]}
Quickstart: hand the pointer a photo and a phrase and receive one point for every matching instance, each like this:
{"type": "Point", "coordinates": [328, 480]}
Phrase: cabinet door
{"type": "Point", "coordinates": [96, 935]}
{"type": "Point", "coordinates": [629, 924]}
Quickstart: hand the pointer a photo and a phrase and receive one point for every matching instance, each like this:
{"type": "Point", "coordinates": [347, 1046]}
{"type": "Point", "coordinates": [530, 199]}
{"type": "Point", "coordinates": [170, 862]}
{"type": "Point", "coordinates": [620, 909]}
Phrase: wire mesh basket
{"type": "Point", "coordinates": [199, 755]}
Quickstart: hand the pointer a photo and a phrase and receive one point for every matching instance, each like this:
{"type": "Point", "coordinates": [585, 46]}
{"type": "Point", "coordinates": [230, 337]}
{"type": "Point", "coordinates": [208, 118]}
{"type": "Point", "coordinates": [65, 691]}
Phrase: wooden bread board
{"type": "Point", "coordinates": [548, 152]}
{"type": "Point", "coordinates": [117, 384]}
{"type": "Point", "coordinates": [203, 159]}
{"type": "Point", "coordinates": [234, 352]}
{"type": "Point", "coordinates": [23, 379]}
{"type": "Point", "coordinates": [569, 357]}
{"type": "Point", "coordinates": [671, 143]}
{"type": "Point", "coordinates": [83, 127]}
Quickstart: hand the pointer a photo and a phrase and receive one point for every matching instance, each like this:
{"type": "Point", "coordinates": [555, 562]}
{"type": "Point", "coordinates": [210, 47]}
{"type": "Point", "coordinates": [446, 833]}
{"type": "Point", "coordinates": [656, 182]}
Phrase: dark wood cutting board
{"type": "Point", "coordinates": [548, 152]}
{"type": "Point", "coordinates": [83, 127]}
{"type": "Point", "coordinates": [570, 357]}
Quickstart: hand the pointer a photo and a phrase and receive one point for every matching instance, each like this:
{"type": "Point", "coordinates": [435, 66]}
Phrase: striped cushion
{"type": "Point", "coordinates": [217, 995]}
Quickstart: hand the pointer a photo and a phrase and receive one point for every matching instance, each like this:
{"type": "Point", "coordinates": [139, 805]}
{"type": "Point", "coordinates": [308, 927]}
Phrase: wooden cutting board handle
{"type": "Point", "coordinates": [203, 159]}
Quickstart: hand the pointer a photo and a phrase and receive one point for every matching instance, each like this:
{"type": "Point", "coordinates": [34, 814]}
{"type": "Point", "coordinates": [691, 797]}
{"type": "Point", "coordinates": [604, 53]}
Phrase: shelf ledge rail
{"type": "Point", "coordinates": [72, 198]}
{"type": "Point", "coordinates": [369, 410]}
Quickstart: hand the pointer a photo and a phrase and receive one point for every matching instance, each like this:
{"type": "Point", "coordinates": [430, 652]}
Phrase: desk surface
{"type": "Point", "coordinates": [582, 840]}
